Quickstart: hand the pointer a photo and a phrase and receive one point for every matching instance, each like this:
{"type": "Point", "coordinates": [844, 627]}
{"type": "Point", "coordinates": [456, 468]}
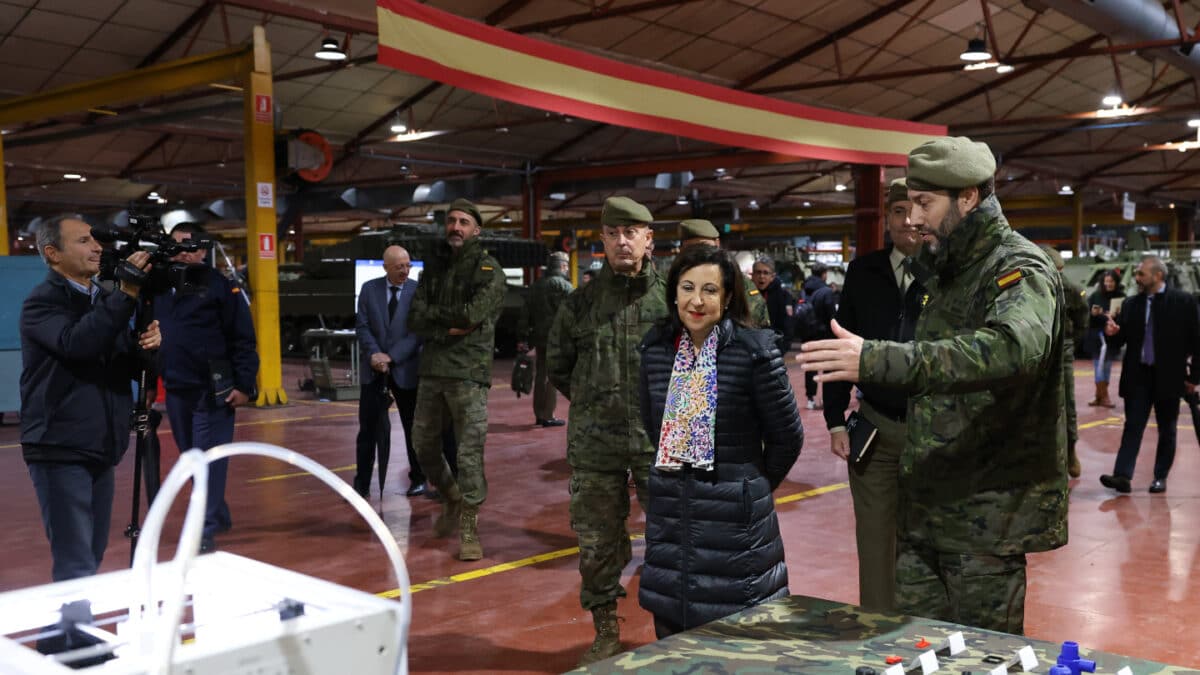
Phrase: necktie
{"type": "Point", "coordinates": [393, 302]}
{"type": "Point", "coordinates": [1148, 339]}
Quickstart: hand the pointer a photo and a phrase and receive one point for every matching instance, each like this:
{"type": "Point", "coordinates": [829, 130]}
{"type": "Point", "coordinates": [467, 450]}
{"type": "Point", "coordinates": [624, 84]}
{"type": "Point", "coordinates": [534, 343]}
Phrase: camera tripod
{"type": "Point", "coordinates": [145, 421]}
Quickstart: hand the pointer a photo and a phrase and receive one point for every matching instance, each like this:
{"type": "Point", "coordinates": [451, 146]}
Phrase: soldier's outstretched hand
{"type": "Point", "coordinates": [833, 360]}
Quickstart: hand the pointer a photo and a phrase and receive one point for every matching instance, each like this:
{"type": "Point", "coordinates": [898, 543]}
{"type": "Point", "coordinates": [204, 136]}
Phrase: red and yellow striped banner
{"type": "Point", "coordinates": [447, 48]}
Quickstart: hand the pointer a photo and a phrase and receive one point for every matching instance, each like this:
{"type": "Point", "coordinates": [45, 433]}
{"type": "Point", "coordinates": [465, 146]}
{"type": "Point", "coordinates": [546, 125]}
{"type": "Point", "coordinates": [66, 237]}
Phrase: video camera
{"type": "Point", "coordinates": [146, 233]}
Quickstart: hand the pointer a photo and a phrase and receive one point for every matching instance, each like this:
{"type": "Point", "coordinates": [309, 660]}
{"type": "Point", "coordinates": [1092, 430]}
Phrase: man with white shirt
{"type": "Point", "coordinates": [388, 367]}
{"type": "Point", "coordinates": [881, 300]}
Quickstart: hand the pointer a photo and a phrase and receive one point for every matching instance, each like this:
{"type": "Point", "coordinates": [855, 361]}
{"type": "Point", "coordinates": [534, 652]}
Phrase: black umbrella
{"type": "Point", "coordinates": [1193, 401]}
{"type": "Point", "coordinates": [383, 425]}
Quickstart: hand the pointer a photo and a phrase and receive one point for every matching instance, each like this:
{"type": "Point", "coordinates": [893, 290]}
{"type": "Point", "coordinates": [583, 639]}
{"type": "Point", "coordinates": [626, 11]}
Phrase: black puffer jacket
{"type": "Point", "coordinates": [712, 538]}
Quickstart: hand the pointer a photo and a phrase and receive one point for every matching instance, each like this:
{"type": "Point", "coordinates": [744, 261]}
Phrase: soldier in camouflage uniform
{"type": "Point", "coordinates": [982, 473]}
{"type": "Point", "coordinates": [594, 361]}
{"type": "Point", "coordinates": [698, 232]}
{"type": "Point", "coordinates": [1075, 318]}
{"type": "Point", "coordinates": [545, 295]}
{"type": "Point", "coordinates": [455, 309]}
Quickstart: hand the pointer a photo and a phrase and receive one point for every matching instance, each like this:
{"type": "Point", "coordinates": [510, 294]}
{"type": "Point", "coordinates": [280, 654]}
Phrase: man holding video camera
{"type": "Point", "coordinates": [209, 366]}
{"type": "Point", "coordinates": [78, 356]}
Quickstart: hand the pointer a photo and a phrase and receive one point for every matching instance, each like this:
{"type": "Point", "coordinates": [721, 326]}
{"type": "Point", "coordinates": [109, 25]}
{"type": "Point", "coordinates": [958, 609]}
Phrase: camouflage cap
{"type": "Point", "coordinates": [466, 206]}
{"type": "Point", "coordinates": [897, 191]}
{"type": "Point", "coordinates": [950, 163]}
{"type": "Point", "coordinates": [697, 228]}
{"type": "Point", "coordinates": [559, 256]}
{"type": "Point", "coordinates": [1054, 255]}
{"type": "Point", "coordinates": [624, 211]}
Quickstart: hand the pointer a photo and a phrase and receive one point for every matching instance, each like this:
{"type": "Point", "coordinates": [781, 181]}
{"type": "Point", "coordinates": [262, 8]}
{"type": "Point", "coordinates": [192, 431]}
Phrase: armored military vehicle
{"type": "Point", "coordinates": [320, 292]}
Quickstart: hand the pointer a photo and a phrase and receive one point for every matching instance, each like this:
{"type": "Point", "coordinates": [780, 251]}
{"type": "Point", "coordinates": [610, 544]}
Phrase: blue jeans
{"type": "Point", "coordinates": [76, 502]}
{"type": "Point", "coordinates": [1139, 398]}
{"type": "Point", "coordinates": [197, 422]}
{"type": "Point", "coordinates": [1103, 369]}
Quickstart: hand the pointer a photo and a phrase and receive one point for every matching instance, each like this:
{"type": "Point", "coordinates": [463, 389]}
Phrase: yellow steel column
{"type": "Point", "coordinates": [262, 247]}
{"type": "Point", "coordinates": [1077, 224]}
{"type": "Point", "coordinates": [3, 206]}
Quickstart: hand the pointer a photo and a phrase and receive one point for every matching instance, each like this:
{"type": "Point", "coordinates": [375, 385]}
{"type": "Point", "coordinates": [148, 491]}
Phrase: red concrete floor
{"type": "Point", "coordinates": [1128, 581]}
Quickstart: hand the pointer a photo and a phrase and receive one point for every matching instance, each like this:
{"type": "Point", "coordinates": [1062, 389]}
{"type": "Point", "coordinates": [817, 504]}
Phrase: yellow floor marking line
{"type": "Point", "coordinates": [565, 552]}
{"type": "Point", "coordinates": [1097, 423]}
{"type": "Point", "coordinates": [298, 474]}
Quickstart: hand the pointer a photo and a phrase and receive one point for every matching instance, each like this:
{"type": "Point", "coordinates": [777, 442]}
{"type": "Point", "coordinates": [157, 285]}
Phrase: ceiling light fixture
{"type": "Point", "coordinates": [1194, 123]}
{"type": "Point", "coordinates": [681, 200]}
{"type": "Point", "coordinates": [1112, 100]}
{"type": "Point", "coordinates": [1066, 190]}
{"type": "Point", "coordinates": [330, 50]}
{"type": "Point", "coordinates": [807, 204]}
{"type": "Point", "coordinates": [753, 204]}
{"type": "Point", "coordinates": [72, 176]}
{"type": "Point", "coordinates": [976, 50]}
{"type": "Point", "coordinates": [981, 65]}
{"type": "Point", "coordinates": [506, 218]}
{"type": "Point", "coordinates": [1004, 69]}
{"type": "Point", "coordinates": [840, 187]}
{"type": "Point", "coordinates": [399, 127]}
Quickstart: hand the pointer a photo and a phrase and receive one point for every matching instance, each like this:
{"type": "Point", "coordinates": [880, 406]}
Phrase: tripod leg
{"type": "Point", "coordinates": [151, 471]}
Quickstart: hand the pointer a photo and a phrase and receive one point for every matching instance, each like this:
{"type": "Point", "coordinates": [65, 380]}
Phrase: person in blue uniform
{"type": "Point", "coordinates": [209, 367]}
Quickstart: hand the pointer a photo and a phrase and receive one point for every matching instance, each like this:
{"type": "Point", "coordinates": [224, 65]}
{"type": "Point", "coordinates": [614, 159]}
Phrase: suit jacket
{"type": "Point", "coordinates": [377, 334]}
{"type": "Point", "coordinates": [1176, 337]}
{"type": "Point", "coordinates": [873, 308]}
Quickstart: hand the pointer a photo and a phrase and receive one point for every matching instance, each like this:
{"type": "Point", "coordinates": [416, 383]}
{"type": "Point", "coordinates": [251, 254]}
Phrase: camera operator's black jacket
{"type": "Point", "coordinates": [206, 324]}
{"type": "Point", "coordinates": [78, 360]}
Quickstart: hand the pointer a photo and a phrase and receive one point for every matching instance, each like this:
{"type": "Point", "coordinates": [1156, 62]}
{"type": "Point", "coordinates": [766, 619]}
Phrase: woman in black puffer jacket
{"type": "Point", "coordinates": [717, 403]}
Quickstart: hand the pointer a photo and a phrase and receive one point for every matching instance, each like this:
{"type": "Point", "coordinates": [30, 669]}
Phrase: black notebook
{"type": "Point", "coordinates": [862, 435]}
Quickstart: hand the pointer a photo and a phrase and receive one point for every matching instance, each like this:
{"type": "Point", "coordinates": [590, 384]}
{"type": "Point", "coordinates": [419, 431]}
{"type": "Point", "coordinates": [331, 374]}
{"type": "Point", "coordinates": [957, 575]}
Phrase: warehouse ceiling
{"type": "Point", "coordinates": [897, 59]}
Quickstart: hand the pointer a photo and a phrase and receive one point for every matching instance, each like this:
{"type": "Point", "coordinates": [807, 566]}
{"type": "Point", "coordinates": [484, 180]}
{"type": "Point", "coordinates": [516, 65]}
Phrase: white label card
{"type": "Point", "coordinates": [1125, 671]}
{"type": "Point", "coordinates": [266, 195]}
{"type": "Point", "coordinates": [929, 662]}
{"type": "Point", "coordinates": [1028, 658]}
{"type": "Point", "coordinates": [897, 669]}
{"type": "Point", "coordinates": [957, 643]}
{"type": "Point", "coordinates": [1001, 669]}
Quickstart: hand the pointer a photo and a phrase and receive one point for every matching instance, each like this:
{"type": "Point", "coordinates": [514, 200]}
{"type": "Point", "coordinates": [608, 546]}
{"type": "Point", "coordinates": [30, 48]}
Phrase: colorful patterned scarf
{"type": "Point", "coordinates": [689, 420]}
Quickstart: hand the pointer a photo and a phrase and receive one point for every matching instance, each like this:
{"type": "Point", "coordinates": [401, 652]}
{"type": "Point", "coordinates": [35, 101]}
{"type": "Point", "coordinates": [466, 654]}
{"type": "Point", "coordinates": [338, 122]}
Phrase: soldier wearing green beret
{"type": "Point", "coordinates": [545, 296]}
{"type": "Point", "coordinates": [698, 232]}
{"type": "Point", "coordinates": [983, 472]}
{"type": "Point", "coordinates": [457, 303]}
{"type": "Point", "coordinates": [594, 361]}
{"type": "Point", "coordinates": [1075, 317]}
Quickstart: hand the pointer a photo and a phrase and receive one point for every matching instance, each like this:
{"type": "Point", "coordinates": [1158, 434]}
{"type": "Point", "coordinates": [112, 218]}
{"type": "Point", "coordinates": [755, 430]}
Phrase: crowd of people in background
{"type": "Point", "coordinates": [677, 386]}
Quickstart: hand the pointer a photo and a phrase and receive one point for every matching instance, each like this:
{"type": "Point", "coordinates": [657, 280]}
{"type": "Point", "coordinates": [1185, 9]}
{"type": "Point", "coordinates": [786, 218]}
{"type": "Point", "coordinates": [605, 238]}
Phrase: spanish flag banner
{"type": "Point", "coordinates": [440, 46]}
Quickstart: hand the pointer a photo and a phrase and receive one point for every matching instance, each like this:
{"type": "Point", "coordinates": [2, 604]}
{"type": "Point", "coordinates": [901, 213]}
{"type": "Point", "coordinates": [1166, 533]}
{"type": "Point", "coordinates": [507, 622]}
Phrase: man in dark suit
{"type": "Point", "coordinates": [1160, 329]}
{"type": "Point", "coordinates": [388, 365]}
{"type": "Point", "coordinates": [881, 301]}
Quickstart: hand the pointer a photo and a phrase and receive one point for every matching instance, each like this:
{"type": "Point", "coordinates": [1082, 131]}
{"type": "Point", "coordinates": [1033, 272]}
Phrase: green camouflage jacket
{"type": "Point", "coordinates": [594, 361]}
{"type": "Point", "coordinates": [759, 316]}
{"type": "Point", "coordinates": [545, 295]}
{"type": "Point", "coordinates": [983, 469]}
{"type": "Point", "coordinates": [458, 291]}
{"type": "Point", "coordinates": [1075, 312]}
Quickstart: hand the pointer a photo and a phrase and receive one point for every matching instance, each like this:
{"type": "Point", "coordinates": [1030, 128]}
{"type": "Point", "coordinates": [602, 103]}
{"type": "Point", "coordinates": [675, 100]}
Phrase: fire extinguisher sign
{"type": "Point", "coordinates": [262, 109]}
{"type": "Point", "coordinates": [266, 246]}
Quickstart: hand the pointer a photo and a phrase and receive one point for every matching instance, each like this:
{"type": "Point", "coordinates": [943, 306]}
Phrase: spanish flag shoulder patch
{"type": "Point", "coordinates": [1006, 280]}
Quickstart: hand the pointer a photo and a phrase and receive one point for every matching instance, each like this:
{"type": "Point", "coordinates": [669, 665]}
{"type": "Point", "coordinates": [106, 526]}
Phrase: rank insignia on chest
{"type": "Point", "coordinates": [754, 292]}
{"type": "Point", "coordinates": [1006, 280]}
{"type": "Point", "coordinates": [924, 299]}
{"type": "Point", "coordinates": [486, 268]}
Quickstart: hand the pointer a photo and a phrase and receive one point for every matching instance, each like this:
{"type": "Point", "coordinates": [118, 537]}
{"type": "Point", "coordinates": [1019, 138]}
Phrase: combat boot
{"type": "Point", "coordinates": [1074, 468]}
{"type": "Point", "coordinates": [469, 547]}
{"type": "Point", "coordinates": [452, 505]}
{"type": "Point", "coordinates": [608, 636]}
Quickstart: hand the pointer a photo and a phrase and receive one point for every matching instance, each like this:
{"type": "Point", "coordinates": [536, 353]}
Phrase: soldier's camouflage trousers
{"type": "Point", "coordinates": [1069, 391]}
{"type": "Point", "coordinates": [599, 509]}
{"type": "Point", "coordinates": [983, 591]}
{"type": "Point", "coordinates": [465, 404]}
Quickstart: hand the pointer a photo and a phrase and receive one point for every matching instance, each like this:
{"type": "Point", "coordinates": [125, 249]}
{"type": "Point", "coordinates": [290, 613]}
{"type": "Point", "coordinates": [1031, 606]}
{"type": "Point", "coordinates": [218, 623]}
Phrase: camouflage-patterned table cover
{"type": "Point", "coordinates": [808, 635]}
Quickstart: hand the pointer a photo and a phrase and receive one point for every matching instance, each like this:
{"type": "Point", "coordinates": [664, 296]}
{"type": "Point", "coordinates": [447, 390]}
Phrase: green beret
{"type": "Point", "coordinates": [1054, 255]}
{"type": "Point", "coordinates": [697, 229]}
{"type": "Point", "coordinates": [466, 206]}
{"type": "Point", "coordinates": [950, 163]}
{"type": "Point", "coordinates": [897, 192]}
{"type": "Point", "coordinates": [624, 211]}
